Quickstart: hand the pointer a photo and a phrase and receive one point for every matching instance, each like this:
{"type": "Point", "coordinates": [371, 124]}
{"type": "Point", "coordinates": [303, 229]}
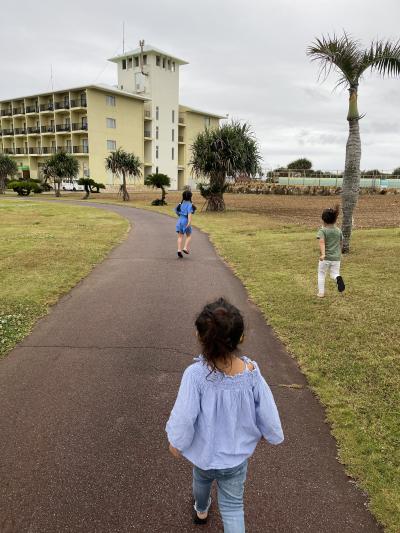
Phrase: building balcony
{"type": "Point", "coordinates": [147, 115]}
{"type": "Point", "coordinates": [46, 108]}
{"type": "Point", "coordinates": [20, 131]}
{"type": "Point", "coordinates": [32, 109]}
{"type": "Point", "coordinates": [6, 112]}
{"type": "Point", "coordinates": [8, 132]}
{"type": "Point", "coordinates": [147, 134]}
{"type": "Point", "coordinates": [33, 130]}
{"type": "Point", "coordinates": [34, 150]}
{"type": "Point", "coordinates": [61, 106]}
{"type": "Point", "coordinates": [48, 150]}
{"type": "Point", "coordinates": [47, 129]}
{"type": "Point", "coordinates": [63, 128]}
{"type": "Point", "coordinates": [81, 149]}
{"type": "Point", "coordinates": [80, 102]}
{"type": "Point", "coordinates": [66, 149]}
{"type": "Point", "coordinates": [181, 120]}
{"type": "Point", "coordinates": [8, 151]}
{"type": "Point", "coordinates": [181, 139]}
{"type": "Point", "coordinates": [80, 126]}
{"type": "Point", "coordinates": [18, 111]}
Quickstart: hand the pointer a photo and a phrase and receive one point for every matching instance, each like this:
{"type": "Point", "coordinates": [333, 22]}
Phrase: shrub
{"type": "Point", "coordinates": [24, 188]}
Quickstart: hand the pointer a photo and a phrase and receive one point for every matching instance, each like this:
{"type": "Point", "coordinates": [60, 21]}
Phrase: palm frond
{"type": "Point", "coordinates": [382, 57]}
{"type": "Point", "coordinates": [341, 54]}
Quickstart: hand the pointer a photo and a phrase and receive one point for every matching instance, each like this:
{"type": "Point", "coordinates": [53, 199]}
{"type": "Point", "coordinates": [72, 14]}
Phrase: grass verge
{"type": "Point", "coordinates": [45, 250]}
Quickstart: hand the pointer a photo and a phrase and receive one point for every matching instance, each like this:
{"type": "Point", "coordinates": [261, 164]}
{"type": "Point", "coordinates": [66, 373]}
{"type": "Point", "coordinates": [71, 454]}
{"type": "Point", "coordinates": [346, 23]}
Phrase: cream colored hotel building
{"type": "Point", "coordinates": [141, 114]}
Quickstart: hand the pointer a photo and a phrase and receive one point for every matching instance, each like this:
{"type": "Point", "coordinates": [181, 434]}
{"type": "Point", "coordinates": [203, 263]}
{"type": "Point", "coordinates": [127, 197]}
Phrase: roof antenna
{"type": "Point", "coordinates": [123, 37]}
{"type": "Point", "coordinates": [141, 44]}
{"type": "Point", "coordinates": [51, 77]}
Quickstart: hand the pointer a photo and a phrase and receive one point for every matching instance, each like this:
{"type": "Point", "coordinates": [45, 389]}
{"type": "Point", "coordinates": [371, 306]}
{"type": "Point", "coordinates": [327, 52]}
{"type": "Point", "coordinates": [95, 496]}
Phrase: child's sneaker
{"type": "Point", "coordinates": [340, 284]}
{"type": "Point", "coordinates": [179, 255]}
{"type": "Point", "coordinates": [321, 295]}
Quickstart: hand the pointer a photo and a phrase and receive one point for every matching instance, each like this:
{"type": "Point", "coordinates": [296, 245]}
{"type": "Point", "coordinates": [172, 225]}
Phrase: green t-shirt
{"type": "Point", "coordinates": [332, 237]}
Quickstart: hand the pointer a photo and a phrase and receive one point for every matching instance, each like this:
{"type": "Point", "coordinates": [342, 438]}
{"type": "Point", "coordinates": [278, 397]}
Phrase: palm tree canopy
{"type": "Point", "coordinates": [8, 167]}
{"type": "Point", "coordinates": [120, 161]}
{"type": "Point", "coordinates": [157, 180]}
{"type": "Point", "coordinates": [61, 165]}
{"type": "Point", "coordinates": [345, 56]}
{"type": "Point", "coordinates": [230, 150]}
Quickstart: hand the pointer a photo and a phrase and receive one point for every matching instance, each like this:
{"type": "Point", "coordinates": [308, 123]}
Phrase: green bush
{"type": "Point", "coordinates": [25, 187]}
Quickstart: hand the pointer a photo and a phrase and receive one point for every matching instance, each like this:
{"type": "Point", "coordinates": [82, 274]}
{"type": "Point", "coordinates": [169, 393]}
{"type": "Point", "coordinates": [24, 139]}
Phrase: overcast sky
{"type": "Point", "coordinates": [246, 58]}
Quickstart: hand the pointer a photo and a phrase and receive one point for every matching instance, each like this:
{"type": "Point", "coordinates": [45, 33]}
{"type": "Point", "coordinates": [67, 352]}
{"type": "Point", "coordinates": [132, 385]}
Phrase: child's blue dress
{"type": "Point", "coordinates": [182, 223]}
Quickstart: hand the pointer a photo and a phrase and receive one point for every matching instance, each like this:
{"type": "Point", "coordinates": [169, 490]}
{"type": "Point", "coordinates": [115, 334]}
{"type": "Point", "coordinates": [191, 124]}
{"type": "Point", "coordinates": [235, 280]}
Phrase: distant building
{"type": "Point", "coordinates": [141, 114]}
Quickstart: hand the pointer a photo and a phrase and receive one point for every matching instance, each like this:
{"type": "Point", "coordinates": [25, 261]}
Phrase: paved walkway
{"type": "Point", "coordinates": [85, 398]}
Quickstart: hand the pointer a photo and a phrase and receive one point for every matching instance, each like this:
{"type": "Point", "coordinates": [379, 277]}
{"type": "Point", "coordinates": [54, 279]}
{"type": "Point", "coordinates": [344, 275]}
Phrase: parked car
{"type": "Point", "coordinates": [71, 186]}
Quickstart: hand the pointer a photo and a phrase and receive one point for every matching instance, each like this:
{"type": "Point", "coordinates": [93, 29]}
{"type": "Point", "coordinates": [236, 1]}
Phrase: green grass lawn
{"type": "Point", "coordinates": [45, 250]}
{"type": "Point", "coordinates": [347, 345]}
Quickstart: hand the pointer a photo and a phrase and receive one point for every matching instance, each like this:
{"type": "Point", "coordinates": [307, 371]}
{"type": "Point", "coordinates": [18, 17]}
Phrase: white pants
{"type": "Point", "coordinates": [323, 267]}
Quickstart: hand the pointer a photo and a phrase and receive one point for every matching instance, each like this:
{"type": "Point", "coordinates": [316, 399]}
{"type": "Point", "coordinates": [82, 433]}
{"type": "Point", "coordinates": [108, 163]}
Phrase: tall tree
{"type": "Point", "coordinates": [124, 164]}
{"type": "Point", "coordinates": [8, 169]}
{"type": "Point", "coordinates": [230, 150]}
{"type": "Point", "coordinates": [345, 56]}
{"type": "Point", "coordinates": [60, 167]}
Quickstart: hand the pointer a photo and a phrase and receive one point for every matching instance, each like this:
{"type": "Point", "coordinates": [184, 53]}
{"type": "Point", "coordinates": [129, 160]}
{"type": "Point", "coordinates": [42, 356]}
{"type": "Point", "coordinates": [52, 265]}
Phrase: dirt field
{"type": "Point", "coordinates": [373, 211]}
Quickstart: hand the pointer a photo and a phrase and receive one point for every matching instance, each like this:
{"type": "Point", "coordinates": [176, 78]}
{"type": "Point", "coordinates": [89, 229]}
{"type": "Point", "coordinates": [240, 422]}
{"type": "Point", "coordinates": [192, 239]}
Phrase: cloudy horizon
{"type": "Point", "coordinates": [246, 60]}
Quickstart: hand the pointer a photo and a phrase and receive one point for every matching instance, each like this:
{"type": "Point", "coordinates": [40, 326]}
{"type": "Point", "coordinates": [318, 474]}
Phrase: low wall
{"type": "Point", "coordinates": [257, 187]}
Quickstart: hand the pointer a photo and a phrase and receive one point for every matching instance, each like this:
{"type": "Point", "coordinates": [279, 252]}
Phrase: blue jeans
{"type": "Point", "coordinates": [230, 488]}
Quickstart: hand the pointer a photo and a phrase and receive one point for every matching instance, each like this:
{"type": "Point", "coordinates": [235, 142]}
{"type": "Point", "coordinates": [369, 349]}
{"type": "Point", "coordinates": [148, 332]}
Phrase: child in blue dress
{"type": "Point", "coordinates": [184, 224]}
{"type": "Point", "coordinates": [224, 407]}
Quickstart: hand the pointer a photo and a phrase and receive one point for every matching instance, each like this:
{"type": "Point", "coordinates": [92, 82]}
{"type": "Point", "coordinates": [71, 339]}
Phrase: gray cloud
{"type": "Point", "coordinates": [247, 60]}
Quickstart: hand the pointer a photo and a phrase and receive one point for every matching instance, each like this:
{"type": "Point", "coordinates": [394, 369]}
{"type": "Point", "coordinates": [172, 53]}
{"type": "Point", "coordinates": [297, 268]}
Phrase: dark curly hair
{"type": "Point", "coordinates": [329, 216]}
{"type": "Point", "coordinates": [220, 327]}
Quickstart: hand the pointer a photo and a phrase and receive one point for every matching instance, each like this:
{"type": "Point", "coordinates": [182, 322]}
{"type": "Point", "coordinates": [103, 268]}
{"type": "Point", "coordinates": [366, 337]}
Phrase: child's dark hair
{"type": "Point", "coordinates": [329, 216]}
{"type": "Point", "coordinates": [187, 196]}
{"type": "Point", "coordinates": [220, 327]}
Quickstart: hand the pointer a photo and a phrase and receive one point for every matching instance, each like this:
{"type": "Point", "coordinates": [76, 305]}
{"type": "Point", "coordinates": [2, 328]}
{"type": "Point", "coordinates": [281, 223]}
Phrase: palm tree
{"type": "Point", "coordinates": [230, 150]}
{"type": "Point", "coordinates": [125, 165]}
{"type": "Point", "coordinates": [158, 181]}
{"type": "Point", "coordinates": [8, 169]}
{"type": "Point", "coordinates": [345, 56]}
{"type": "Point", "coordinates": [59, 167]}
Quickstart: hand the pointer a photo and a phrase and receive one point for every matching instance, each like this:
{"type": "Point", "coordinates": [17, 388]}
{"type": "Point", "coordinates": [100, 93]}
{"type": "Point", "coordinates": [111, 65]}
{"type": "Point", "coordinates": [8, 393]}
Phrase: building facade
{"type": "Point", "coordinates": [141, 114]}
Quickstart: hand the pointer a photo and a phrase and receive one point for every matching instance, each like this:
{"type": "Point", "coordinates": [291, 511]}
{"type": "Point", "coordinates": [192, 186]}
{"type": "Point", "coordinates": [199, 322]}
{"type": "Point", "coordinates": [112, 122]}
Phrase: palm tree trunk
{"type": "Point", "coordinates": [57, 187]}
{"type": "Point", "coordinates": [2, 185]}
{"type": "Point", "coordinates": [216, 200]}
{"type": "Point", "coordinates": [351, 178]}
{"type": "Point", "coordinates": [125, 194]}
{"type": "Point", "coordinates": [162, 196]}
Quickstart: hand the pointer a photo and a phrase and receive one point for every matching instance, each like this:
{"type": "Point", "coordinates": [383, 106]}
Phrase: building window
{"type": "Point", "coordinates": [136, 61]}
{"type": "Point", "coordinates": [157, 132]}
{"type": "Point", "coordinates": [111, 123]}
{"type": "Point", "coordinates": [173, 135]}
{"type": "Point", "coordinates": [163, 62]}
{"type": "Point", "coordinates": [156, 170]}
{"type": "Point", "coordinates": [157, 152]}
{"type": "Point", "coordinates": [144, 60]}
{"type": "Point", "coordinates": [207, 122]}
{"type": "Point", "coordinates": [111, 145]}
{"type": "Point", "coordinates": [129, 62]}
{"type": "Point", "coordinates": [173, 153]}
{"type": "Point", "coordinates": [173, 66]}
{"type": "Point", "coordinates": [110, 100]}
{"type": "Point", "coordinates": [124, 64]}
{"type": "Point", "coordinates": [158, 61]}
{"type": "Point", "coordinates": [157, 113]}
{"type": "Point", "coordinates": [173, 116]}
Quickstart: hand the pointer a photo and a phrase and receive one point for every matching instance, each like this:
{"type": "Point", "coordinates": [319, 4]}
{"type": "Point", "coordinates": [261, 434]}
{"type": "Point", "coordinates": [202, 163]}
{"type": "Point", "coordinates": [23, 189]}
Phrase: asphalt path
{"type": "Point", "coordinates": [84, 400]}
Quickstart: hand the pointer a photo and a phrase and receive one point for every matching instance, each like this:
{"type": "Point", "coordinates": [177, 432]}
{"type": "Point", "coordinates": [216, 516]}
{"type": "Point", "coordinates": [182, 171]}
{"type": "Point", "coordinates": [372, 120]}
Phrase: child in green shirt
{"type": "Point", "coordinates": [330, 245]}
